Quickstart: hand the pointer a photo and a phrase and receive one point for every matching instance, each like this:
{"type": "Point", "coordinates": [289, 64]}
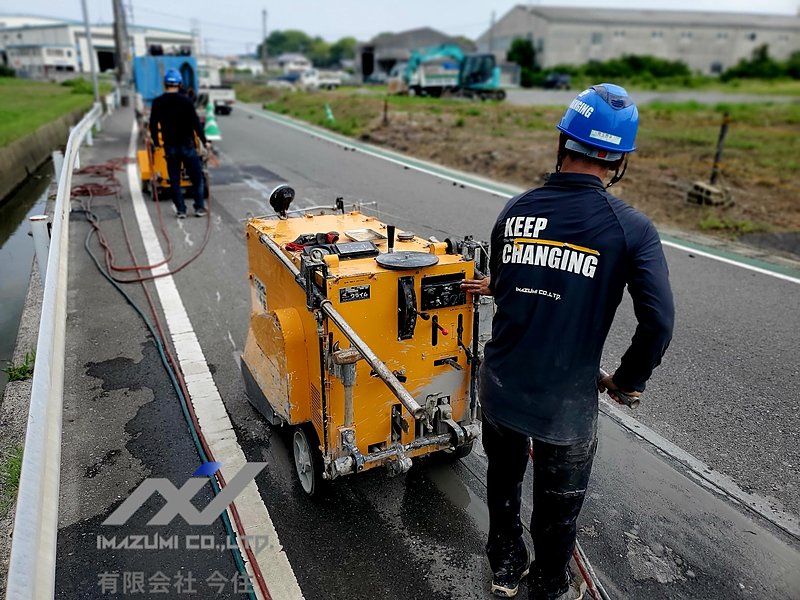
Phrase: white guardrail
{"type": "Point", "coordinates": [31, 573]}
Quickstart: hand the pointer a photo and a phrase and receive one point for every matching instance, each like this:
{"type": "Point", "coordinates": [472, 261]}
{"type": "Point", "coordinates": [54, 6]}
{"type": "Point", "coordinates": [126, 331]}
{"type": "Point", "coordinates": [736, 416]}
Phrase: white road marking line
{"type": "Point", "coordinates": [453, 175]}
{"type": "Point", "coordinates": [697, 469]}
{"type": "Point", "coordinates": [212, 416]}
{"type": "Point", "coordinates": [731, 261]}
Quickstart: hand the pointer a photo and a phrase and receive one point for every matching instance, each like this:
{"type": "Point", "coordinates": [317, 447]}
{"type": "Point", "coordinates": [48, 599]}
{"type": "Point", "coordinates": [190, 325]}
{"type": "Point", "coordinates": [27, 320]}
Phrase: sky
{"type": "Point", "coordinates": [234, 27]}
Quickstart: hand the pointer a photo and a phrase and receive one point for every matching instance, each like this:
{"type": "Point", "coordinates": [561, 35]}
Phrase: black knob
{"type": "Point", "coordinates": [390, 235]}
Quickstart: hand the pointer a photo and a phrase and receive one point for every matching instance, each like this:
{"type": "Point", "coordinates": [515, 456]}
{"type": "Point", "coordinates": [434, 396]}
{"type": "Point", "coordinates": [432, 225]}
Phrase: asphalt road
{"type": "Point", "coordinates": [727, 392]}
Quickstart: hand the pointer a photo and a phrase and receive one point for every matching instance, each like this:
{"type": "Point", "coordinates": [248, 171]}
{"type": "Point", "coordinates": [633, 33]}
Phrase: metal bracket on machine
{"type": "Point", "coordinates": [311, 266]}
{"type": "Point", "coordinates": [399, 465]}
{"type": "Point", "coordinates": [446, 417]}
{"type": "Point", "coordinates": [349, 443]}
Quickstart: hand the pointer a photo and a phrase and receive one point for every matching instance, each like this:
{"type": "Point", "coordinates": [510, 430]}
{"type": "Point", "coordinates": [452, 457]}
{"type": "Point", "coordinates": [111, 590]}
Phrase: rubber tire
{"type": "Point", "coordinates": [312, 484]}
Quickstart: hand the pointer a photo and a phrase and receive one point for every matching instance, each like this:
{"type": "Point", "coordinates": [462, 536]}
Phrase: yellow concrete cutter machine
{"type": "Point", "coordinates": [360, 339]}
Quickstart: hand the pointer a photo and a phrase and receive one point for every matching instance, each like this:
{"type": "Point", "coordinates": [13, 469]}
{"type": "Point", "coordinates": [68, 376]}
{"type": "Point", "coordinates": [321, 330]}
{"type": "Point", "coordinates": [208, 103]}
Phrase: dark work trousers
{"type": "Point", "coordinates": [560, 476]}
{"type": "Point", "coordinates": [186, 155]}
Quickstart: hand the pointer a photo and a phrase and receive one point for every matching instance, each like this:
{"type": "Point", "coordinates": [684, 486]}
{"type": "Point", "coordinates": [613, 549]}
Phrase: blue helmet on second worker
{"type": "Point", "coordinates": [601, 122]}
{"type": "Point", "coordinates": [172, 77]}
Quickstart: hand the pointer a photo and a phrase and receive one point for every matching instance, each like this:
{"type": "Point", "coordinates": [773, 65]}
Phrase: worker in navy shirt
{"type": "Point", "coordinates": [561, 257]}
{"type": "Point", "coordinates": [174, 115]}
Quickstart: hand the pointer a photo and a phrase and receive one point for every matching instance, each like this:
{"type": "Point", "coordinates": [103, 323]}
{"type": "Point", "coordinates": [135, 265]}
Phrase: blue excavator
{"type": "Point", "coordinates": [446, 70]}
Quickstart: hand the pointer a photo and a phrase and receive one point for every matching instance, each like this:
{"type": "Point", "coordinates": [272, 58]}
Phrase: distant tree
{"type": "Point", "coordinates": [7, 71]}
{"type": "Point", "coordinates": [344, 49]}
{"type": "Point", "coordinates": [793, 65]}
{"type": "Point", "coordinates": [523, 53]}
{"type": "Point", "coordinates": [760, 66]}
{"type": "Point", "coordinates": [631, 65]}
{"type": "Point", "coordinates": [320, 52]}
{"type": "Point", "coordinates": [291, 40]}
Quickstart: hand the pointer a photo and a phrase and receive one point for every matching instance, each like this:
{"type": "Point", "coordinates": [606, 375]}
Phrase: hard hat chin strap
{"type": "Point", "coordinates": [617, 175]}
{"type": "Point", "coordinates": [562, 150]}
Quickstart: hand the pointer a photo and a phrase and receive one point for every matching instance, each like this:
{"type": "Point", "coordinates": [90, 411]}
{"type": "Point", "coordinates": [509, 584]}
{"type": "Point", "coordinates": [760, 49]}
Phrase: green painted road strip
{"type": "Point", "coordinates": [733, 258]}
{"type": "Point", "coordinates": [486, 185]}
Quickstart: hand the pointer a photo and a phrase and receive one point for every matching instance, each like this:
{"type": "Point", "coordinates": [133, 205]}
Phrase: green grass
{"type": "Point", "coordinates": [10, 469]}
{"type": "Point", "coordinates": [734, 226]}
{"type": "Point", "coordinates": [756, 87]}
{"type": "Point", "coordinates": [23, 371]}
{"type": "Point", "coordinates": [27, 105]}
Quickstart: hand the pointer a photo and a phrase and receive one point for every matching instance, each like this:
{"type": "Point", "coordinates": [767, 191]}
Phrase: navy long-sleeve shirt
{"type": "Point", "coordinates": [178, 119]}
{"type": "Point", "coordinates": [561, 256]}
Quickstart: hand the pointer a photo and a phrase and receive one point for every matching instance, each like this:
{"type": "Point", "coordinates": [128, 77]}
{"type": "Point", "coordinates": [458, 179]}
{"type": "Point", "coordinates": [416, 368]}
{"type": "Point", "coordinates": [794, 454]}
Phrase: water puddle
{"type": "Point", "coordinates": [16, 257]}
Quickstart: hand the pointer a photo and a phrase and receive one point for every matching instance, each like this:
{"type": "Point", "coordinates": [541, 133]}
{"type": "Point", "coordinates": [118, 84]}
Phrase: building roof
{"type": "Point", "coordinates": [619, 16]}
{"type": "Point", "coordinates": [290, 56]}
{"type": "Point", "coordinates": [413, 38]}
{"type": "Point", "coordinates": [53, 20]}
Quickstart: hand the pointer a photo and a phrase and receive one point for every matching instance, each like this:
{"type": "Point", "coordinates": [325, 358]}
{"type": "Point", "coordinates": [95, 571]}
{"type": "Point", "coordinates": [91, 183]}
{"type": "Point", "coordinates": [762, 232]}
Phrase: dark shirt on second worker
{"type": "Point", "coordinates": [178, 119]}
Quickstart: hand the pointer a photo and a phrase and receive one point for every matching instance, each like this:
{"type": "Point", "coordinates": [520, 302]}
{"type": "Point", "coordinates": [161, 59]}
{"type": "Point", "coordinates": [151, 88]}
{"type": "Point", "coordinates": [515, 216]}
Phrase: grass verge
{"type": "Point", "coordinates": [10, 469]}
{"type": "Point", "coordinates": [27, 105]}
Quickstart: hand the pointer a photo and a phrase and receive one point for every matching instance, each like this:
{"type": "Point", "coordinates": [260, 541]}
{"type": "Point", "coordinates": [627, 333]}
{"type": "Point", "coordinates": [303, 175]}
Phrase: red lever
{"type": "Point", "coordinates": [440, 328]}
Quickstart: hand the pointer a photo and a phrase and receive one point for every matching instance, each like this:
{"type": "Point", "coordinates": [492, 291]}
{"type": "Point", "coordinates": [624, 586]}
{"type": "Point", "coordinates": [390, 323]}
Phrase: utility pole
{"type": "Point", "coordinates": [491, 34]}
{"type": "Point", "coordinates": [264, 39]}
{"type": "Point", "coordinates": [121, 42]}
{"type": "Point", "coordinates": [90, 53]}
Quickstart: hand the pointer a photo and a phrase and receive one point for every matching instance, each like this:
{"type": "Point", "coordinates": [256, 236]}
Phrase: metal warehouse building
{"type": "Point", "coordinates": [708, 42]}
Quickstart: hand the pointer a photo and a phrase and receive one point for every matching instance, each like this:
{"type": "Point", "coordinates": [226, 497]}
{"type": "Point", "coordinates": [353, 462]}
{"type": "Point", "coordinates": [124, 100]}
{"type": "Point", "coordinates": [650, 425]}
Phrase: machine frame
{"type": "Point", "coordinates": [371, 366]}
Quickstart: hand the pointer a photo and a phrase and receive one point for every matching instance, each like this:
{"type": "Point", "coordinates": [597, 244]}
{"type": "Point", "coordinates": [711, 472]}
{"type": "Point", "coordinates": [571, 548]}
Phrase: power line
{"type": "Point", "coordinates": [207, 23]}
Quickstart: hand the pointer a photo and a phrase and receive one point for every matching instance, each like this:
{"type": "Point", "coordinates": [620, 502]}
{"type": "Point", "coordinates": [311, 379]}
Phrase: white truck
{"type": "Point", "coordinates": [223, 97]}
{"type": "Point", "coordinates": [316, 79]}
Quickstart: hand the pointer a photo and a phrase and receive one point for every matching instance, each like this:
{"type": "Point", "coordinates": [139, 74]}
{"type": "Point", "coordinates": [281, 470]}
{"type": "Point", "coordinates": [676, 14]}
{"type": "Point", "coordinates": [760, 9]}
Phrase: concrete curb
{"type": "Point", "coordinates": [23, 156]}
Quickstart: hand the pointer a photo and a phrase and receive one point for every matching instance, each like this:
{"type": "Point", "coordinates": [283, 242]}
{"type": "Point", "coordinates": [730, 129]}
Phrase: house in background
{"type": "Point", "coordinates": [289, 62]}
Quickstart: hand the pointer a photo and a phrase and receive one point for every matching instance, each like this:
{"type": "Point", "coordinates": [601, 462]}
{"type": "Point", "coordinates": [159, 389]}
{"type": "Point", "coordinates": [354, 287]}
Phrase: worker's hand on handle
{"type": "Point", "coordinates": [479, 287]}
{"type": "Point", "coordinates": [605, 383]}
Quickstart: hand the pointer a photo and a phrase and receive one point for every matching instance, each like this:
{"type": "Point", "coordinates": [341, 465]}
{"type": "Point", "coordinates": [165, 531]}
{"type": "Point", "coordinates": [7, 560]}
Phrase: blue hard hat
{"type": "Point", "coordinates": [172, 77]}
{"type": "Point", "coordinates": [601, 122]}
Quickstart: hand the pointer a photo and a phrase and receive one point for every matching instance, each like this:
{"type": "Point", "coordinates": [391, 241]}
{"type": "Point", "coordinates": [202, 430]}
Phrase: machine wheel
{"type": "Point", "coordinates": [460, 452]}
{"type": "Point", "coordinates": [307, 459]}
{"type": "Point", "coordinates": [500, 95]}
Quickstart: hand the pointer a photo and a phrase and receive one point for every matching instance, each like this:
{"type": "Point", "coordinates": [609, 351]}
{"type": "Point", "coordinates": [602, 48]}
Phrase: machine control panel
{"type": "Point", "coordinates": [442, 291]}
{"type": "Point", "coordinates": [346, 250]}
{"type": "Point", "coordinates": [365, 249]}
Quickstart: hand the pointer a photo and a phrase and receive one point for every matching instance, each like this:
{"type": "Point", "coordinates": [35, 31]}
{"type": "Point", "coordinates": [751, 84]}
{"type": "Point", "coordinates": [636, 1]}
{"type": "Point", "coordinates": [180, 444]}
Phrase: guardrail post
{"type": "Point", "coordinates": [89, 138]}
{"type": "Point", "coordinates": [41, 242]}
{"type": "Point", "coordinates": [58, 163]}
